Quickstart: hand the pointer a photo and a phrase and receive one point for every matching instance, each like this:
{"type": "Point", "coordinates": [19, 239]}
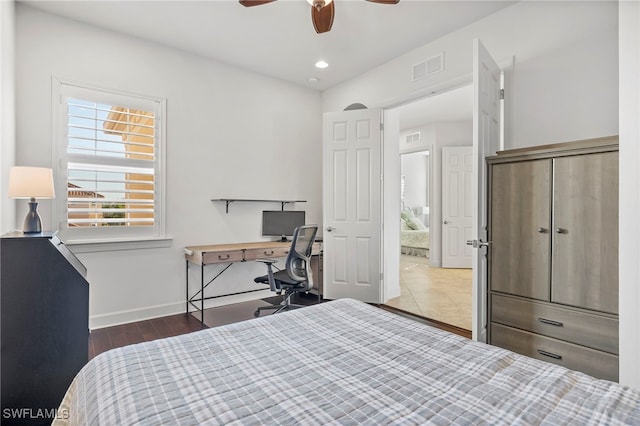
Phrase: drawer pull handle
{"type": "Point", "coordinates": [550, 322]}
{"type": "Point", "coordinates": [268, 253]}
{"type": "Point", "coordinates": [223, 257]}
{"type": "Point", "coordinates": [549, 354]}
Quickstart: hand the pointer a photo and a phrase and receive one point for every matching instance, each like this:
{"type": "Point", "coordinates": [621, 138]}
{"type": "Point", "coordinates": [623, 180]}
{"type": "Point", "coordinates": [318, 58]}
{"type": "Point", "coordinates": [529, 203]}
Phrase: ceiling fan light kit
{"type": "Point", "coordinates": [322, 11]}
{"type": "Point", "coordinates": [319, 4]}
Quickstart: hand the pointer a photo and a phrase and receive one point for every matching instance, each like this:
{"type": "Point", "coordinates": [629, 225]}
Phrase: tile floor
{"type": "Point", "coordinates": [439, 294]}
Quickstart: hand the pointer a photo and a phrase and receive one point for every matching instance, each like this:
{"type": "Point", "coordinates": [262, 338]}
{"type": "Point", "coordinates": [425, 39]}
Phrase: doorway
{"type": "Point", "coordinates": [427, 289]}
{"type": "Point", "coordinates": [381, 241]}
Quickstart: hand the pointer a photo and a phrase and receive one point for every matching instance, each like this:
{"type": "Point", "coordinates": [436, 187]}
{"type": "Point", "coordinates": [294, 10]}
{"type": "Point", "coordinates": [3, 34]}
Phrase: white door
{"type": "Point", "coordinates": [457, 206]}
{"type": "Point", "coordinates": [487, 82]}
{"type": "Point", "coordinates": [352, 205]}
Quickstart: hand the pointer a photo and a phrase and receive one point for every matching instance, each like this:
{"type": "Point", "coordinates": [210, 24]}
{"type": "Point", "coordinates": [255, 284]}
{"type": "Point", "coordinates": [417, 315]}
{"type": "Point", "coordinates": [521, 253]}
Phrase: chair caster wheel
{"type": "Point", "coordinates": [256, 313]}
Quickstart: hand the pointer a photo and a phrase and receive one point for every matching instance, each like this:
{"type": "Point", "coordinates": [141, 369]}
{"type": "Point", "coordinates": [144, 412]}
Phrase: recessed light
{"type": "Point", "coordinates": [321, 64]}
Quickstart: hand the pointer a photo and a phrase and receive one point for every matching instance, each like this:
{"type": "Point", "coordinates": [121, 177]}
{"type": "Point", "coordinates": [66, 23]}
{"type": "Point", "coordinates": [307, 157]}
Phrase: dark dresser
{"type": "Point", "coordinates": [44, 325]}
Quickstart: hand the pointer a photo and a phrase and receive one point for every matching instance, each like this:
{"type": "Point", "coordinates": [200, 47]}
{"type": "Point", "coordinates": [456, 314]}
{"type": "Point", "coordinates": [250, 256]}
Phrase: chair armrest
{"type": "Point", "coordinates": [272, 282]}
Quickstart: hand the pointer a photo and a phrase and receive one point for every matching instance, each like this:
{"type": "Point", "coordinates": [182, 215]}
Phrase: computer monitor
{"type": "Point", "coordinates": [281, 223]}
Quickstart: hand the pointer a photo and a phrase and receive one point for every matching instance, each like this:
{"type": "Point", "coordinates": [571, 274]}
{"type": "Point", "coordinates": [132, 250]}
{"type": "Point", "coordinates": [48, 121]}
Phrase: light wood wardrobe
{"type": "Point", "coordinates": [553, 258]}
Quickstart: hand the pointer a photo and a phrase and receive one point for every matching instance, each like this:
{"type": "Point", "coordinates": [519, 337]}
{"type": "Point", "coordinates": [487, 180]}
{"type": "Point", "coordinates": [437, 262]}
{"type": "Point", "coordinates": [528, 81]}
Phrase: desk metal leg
{"type": "Point", "coordinates": [202, 295]}
{"type": "Point", "coordinates": [199, 296]}
{"type": "Point", "coordinates": [201, 292]}
{"type": "Point", "coordinates": [187, 287]}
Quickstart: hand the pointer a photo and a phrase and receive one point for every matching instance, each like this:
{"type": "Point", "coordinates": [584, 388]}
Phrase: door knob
{"type": "Point", "coordinates": [543, 230]}
{"type": "Point", "coordinates": [562, 231]}
{"type": "Point", "coordinates": [479, 243]}
{"type": "Point", "coordinates": [446, 222]}
{"type": "Point", "coordinates": [329, 229]}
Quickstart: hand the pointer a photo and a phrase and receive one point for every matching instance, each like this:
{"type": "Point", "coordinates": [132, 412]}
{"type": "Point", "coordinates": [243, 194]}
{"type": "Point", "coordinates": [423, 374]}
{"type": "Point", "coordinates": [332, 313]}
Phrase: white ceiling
{"type": "Point", "coordinates": [454, 105]}
{"type": "Point", "coordinates": [278, 39]}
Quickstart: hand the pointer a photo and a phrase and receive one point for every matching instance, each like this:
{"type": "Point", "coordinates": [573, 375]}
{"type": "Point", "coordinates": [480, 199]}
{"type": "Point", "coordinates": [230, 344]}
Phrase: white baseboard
{"type": "Point", "coordinates": [150, 312]}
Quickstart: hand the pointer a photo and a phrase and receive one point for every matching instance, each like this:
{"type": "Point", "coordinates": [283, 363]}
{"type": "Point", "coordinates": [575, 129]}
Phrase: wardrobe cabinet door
{"type": "Point", "coordinates": [520, 228]}
{"type": "Point", "coordinates": [585, 231]}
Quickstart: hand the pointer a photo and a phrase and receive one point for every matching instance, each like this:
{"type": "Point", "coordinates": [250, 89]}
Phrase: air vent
{"type": "Point", "coordinates": [435, 64]}
{"type": "Point", "coordinates": [419, 70]}
{"type": "Point", "coordinates": [432, 65]}
{"type": "Point", "coordinates": [412, 138]}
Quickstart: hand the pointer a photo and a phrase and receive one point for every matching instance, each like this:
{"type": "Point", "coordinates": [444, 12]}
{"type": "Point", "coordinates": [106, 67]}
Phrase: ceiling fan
{"type": "Point", "coordinates": [322, 11]}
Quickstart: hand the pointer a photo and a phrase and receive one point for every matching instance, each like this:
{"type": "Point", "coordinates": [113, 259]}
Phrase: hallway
{"type": "Point", "coordinates": [439, 294]}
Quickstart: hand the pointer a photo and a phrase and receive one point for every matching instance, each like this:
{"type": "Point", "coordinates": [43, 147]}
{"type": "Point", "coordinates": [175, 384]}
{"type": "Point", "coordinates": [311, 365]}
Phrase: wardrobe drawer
{"type": "Point", "coordinates": [222, 256]}
{"type": "Point", "coordinates": [583, 328]}
{"type": "Point", "coordinates": [590, 361]}
{"type": "Point", "coordinates": [266, 253]}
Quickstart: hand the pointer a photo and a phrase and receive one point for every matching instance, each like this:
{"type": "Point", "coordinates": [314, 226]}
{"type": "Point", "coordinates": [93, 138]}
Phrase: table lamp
{"type": "Point", "coordinates": [31, 183]}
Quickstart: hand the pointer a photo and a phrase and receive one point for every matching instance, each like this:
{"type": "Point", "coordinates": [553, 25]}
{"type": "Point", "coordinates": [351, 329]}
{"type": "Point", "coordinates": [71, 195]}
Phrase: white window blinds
{"type": "Point", "coordinates": [111, 162]}
{"type": "Point", "coordinates": [111, 165]}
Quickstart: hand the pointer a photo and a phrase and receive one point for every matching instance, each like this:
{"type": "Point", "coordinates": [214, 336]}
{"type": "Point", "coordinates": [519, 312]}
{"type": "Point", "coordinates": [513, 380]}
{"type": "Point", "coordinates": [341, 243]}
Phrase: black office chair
{"type": "Point", "coordinates": [296, 277]}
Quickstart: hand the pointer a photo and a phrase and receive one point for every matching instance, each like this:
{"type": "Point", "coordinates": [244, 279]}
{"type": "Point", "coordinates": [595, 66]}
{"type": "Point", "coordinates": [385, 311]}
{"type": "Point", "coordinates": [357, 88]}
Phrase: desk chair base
{"type": "Point", "coordinates": [285, 305]}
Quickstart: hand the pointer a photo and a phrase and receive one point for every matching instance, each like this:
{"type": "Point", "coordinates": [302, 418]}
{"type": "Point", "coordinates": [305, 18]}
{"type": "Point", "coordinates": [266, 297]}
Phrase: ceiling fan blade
{"type": "Point", "coordinates": [384, 1]}
{"type": "Point", "coordinates": [323, 18]}
{"type": "Point", "coordinates": [249, 3]}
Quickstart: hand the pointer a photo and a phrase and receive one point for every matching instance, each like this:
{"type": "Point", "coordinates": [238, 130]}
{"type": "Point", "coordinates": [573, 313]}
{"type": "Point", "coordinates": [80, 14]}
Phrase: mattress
{"type": "Point", "coordinates": [415, 238]}
{"type": "Point", "coordinates": [341, 362]}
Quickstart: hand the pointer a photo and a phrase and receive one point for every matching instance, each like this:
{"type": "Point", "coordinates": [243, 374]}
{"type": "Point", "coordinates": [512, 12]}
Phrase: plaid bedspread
{"type": "Point", "coordinates": [342, 362]}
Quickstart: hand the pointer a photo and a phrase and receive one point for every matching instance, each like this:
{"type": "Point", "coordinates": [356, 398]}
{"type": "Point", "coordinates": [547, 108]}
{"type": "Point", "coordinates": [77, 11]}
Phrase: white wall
{"type": "Point", "coordinates": [7, 113]}
{"type": "Point", "coordinates": [414, 167]}
{"type": "Point", "coordinates": [629, 193]}
{"type": "Point", "coordinates": [230, 133]}
{"type": "Point", "coordinates": [427, 136]}
{"type": "Point", "coordinates": [562, 84]}
{"type": "Point", "coordinates": [568, 93]}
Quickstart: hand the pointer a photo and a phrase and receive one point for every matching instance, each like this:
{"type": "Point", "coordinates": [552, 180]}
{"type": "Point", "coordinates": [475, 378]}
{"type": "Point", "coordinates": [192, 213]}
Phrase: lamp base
{"type": "Point", "coordinates": [32, 223]}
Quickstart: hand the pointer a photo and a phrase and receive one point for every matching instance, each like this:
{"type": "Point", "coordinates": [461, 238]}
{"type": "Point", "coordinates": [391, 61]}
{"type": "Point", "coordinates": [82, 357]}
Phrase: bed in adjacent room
{"type": "Point", "coordinates": [414, 235]}
{"type": "Point", "coordinates": [341, 362]}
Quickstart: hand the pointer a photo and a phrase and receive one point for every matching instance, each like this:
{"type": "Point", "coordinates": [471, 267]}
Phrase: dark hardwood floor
{"type": "Point", "coordinates": [103, 339]}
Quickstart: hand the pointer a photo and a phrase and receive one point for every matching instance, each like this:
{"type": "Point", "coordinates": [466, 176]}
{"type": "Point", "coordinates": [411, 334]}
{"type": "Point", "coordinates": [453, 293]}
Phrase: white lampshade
{"type": "Point", "coordinates": [31, 182]}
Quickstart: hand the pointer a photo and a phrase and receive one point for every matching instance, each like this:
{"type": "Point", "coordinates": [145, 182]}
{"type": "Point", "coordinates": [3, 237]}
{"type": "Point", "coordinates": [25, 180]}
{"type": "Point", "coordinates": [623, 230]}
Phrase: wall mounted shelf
{"type": "Point", "coordinates": [228, 201]}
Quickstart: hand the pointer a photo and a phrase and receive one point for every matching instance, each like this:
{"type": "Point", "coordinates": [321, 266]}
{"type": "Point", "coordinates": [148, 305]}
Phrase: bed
{"type": "Point", "coordinates": [341, 362]}
{"type": "Point", "coordinates": [414, 242]}
{"type": "Point", "coordinates": [414, 234]}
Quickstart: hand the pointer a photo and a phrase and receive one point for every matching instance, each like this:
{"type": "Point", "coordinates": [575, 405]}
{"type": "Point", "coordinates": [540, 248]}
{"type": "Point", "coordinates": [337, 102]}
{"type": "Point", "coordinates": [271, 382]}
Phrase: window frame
{"type": "Point", "coordinates": [122, 235]}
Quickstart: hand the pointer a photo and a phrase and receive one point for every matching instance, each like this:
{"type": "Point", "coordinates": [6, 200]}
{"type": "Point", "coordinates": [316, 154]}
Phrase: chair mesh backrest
{"type": "Point", "coordinates": [297, 263]}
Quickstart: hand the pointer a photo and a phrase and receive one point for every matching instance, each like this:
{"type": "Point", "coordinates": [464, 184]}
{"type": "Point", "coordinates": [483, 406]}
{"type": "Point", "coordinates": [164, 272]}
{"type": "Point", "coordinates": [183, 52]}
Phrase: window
{"type": "Point", "coordinates": [110, 166]}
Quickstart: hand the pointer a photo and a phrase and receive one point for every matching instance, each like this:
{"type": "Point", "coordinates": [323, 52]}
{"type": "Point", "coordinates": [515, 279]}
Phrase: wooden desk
{"type": "Point", "coordinates": [234, 253]}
